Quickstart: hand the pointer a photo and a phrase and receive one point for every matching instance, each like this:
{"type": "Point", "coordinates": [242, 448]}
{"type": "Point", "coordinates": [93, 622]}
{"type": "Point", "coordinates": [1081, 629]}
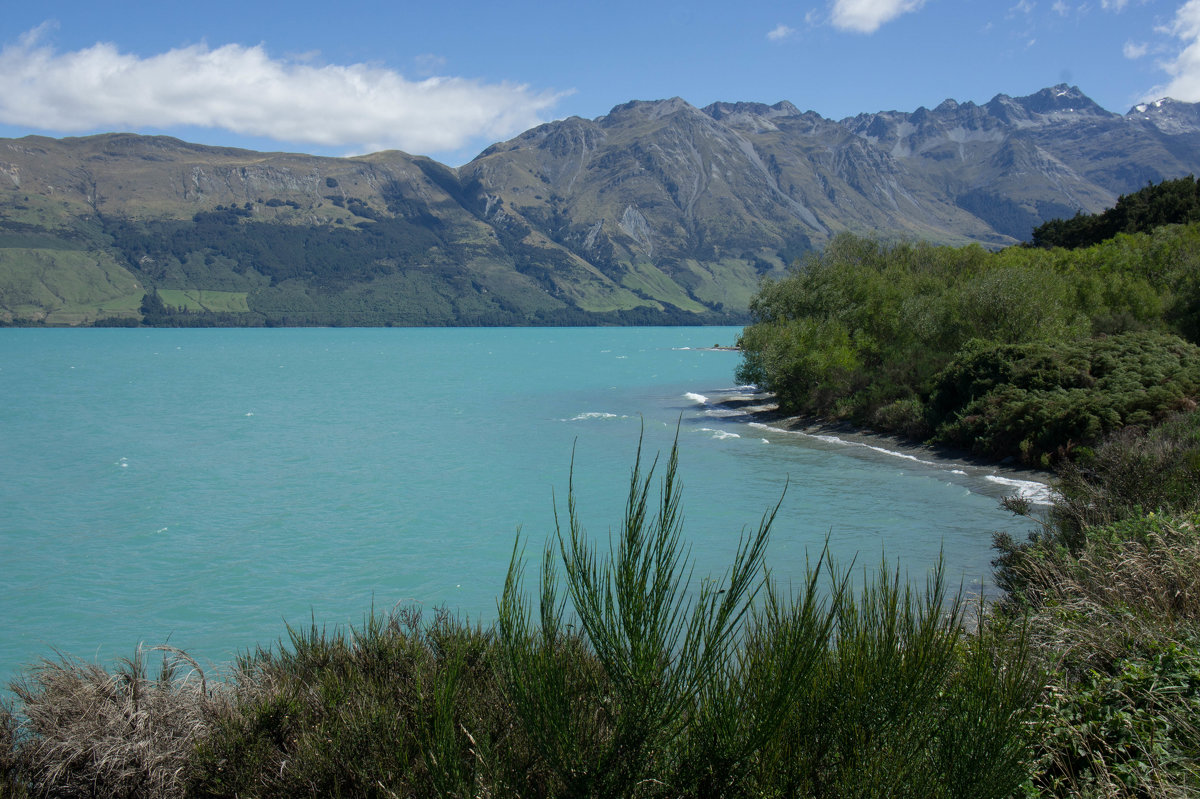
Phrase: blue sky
{"type": "Point", "coordinates": [448, 78]}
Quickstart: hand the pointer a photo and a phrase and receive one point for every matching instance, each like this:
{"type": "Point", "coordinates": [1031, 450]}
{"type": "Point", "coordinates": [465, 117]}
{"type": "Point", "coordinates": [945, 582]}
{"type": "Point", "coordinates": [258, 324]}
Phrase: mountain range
{"type": "Point", "coordinates": [657, 212]}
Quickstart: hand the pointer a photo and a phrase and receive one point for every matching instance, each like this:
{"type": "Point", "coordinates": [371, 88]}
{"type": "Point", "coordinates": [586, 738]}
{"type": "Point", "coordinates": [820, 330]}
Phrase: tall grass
{"type": "Point", "coordinates": [82, 731]}
{"type": "Point", "coordinates": [699, 691]}
{"type": "Point", "coordinates": [1117, 626]}
{"type": "Point", "coordinates": [399, 706]}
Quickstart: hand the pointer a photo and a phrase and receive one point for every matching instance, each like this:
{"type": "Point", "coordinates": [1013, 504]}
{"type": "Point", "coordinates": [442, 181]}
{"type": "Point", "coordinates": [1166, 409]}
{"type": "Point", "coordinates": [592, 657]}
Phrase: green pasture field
{"type": "Point", "coordinates": [65, 287]}
{"type": "Point", "coordinates": [205, 300]}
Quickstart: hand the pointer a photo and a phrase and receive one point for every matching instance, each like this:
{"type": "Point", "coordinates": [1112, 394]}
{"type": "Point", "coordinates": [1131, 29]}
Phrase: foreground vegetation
{"type": "Point", "coordinates": [618, 674]}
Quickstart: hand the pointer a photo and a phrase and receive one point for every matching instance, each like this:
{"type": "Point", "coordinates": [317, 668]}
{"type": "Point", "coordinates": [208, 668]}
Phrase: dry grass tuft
{"type": "Point", "coordinates": [83, 731]}
{"type": "Point", "coordinates": [1116, 592]}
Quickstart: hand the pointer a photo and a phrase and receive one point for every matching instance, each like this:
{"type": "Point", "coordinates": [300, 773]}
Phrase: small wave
{"type": "Point", "coordinates": [882, 450]}
{"type": "Point", "coordinates": [1035, 492]}
{"type": "Point", "coordinates": [762, 426]}
{"type": "Point", "coordinates": [904, 455]}
{"type": "Point", "coordinates": [583, 417]}
{"type": "Point", "coordinates": [719, 435]}
{"type": "Point", "coordinates": [699, 399]}
{"type": "Point", "coordinates": [722, 413]}
{"type": "Point", "coordinates": [743, 392]}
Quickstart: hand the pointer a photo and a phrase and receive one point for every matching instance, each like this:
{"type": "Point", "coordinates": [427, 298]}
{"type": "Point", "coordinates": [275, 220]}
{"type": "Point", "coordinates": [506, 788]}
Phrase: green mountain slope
{"type": "Point", "coordinates": [658, 212]}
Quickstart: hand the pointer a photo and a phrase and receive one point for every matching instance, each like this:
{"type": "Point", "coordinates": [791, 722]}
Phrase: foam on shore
{"type": "Point", "coordinates": [1034, 491]}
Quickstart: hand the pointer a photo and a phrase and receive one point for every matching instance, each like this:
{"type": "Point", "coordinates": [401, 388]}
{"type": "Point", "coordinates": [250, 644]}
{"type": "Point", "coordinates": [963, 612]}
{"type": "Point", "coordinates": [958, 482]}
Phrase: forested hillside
{"type": "Point", "coordinates": [1170, 202]}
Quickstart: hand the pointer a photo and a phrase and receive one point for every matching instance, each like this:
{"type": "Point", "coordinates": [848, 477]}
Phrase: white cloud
{"type": "Point", "coordinates": [357, 107]}
{"type": "Point", "coordinates": [1185, 68]}
{"type": "Point", "coordinates": [1114, 5]}
{"type": "Point", "coordinates": [1134, 51]}
{"type": "Point", "coordinates": [1061, 8]}
{"type": "Point", "coordinates": [866, 16]}
{"type": "Point", "coordinates": [780, 32]}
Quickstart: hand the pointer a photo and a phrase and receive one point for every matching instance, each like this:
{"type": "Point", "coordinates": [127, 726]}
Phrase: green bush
{"type": "Point", "coordinates": [1133, 471]}
{"type": "Point", "coordinates": [1129, 730]}
{"type": "Point", "coordinates": [392, 708]}
{"type": "Point", "coordinates": [698, 692]}
{"type": "Point", "coordinates": [1042, 400]}
{"type": "Point", "coordinates": [905, 703]}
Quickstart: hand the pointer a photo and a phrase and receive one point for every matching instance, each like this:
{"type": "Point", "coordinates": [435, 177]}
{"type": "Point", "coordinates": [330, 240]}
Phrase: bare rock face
{"type": "Point", "coordinates": [634, 225]}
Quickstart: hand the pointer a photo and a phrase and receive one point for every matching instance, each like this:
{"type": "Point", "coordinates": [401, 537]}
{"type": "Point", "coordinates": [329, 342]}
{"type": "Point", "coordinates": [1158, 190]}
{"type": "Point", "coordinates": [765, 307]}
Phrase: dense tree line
{"type": "Point", "coordinates": [1168, 203]}
{"type": "Point", "coordinates": [880, 334]}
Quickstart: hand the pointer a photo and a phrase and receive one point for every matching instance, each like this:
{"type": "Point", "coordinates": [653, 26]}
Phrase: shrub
{"type": "Point", "coordinates": [1133, 471]}
{"type": "Point", "coordinates": [396, 707]}
{"type": "Point", "coordinates": [1116, 625]}
{"type": "Point", "coordinates": [1041, 400]}
{"type": "Point", "coordinates": [697, 692]}
{"type": "Point", "coordinates": [84, 732]}
{"type": "Point", "coordinates": [904, 703]}
{"type": "Point", "coordinates": [662, 650]}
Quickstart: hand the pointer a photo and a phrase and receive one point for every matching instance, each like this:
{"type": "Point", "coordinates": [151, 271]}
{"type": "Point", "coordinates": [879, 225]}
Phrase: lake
{"type": "Point", "coordinates": [203, 487]}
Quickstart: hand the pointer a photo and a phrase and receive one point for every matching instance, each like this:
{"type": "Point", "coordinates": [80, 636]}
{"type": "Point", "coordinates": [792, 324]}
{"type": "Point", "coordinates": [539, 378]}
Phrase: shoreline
{"type": "Point", "coordinates": [1031, 483]}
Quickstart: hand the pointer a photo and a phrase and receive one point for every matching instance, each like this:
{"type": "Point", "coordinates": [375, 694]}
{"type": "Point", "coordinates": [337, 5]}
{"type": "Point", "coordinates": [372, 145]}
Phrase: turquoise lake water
{"type": "Point", "coordinates": [202, 487]}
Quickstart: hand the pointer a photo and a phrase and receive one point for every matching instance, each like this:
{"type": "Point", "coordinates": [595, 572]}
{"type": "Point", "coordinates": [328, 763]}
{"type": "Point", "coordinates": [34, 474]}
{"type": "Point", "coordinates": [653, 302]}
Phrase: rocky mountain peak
{"type": "Point", "coordinates": [1054, 104]}
{"type": "Point", "coordinates": [649, 109]}
{"type": "Point", "coordinates": [1169, 115]}
{"type": "Point", "coordinates": [721, 110]}
{"type": "Point", "coordinates": [1062, 99]}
